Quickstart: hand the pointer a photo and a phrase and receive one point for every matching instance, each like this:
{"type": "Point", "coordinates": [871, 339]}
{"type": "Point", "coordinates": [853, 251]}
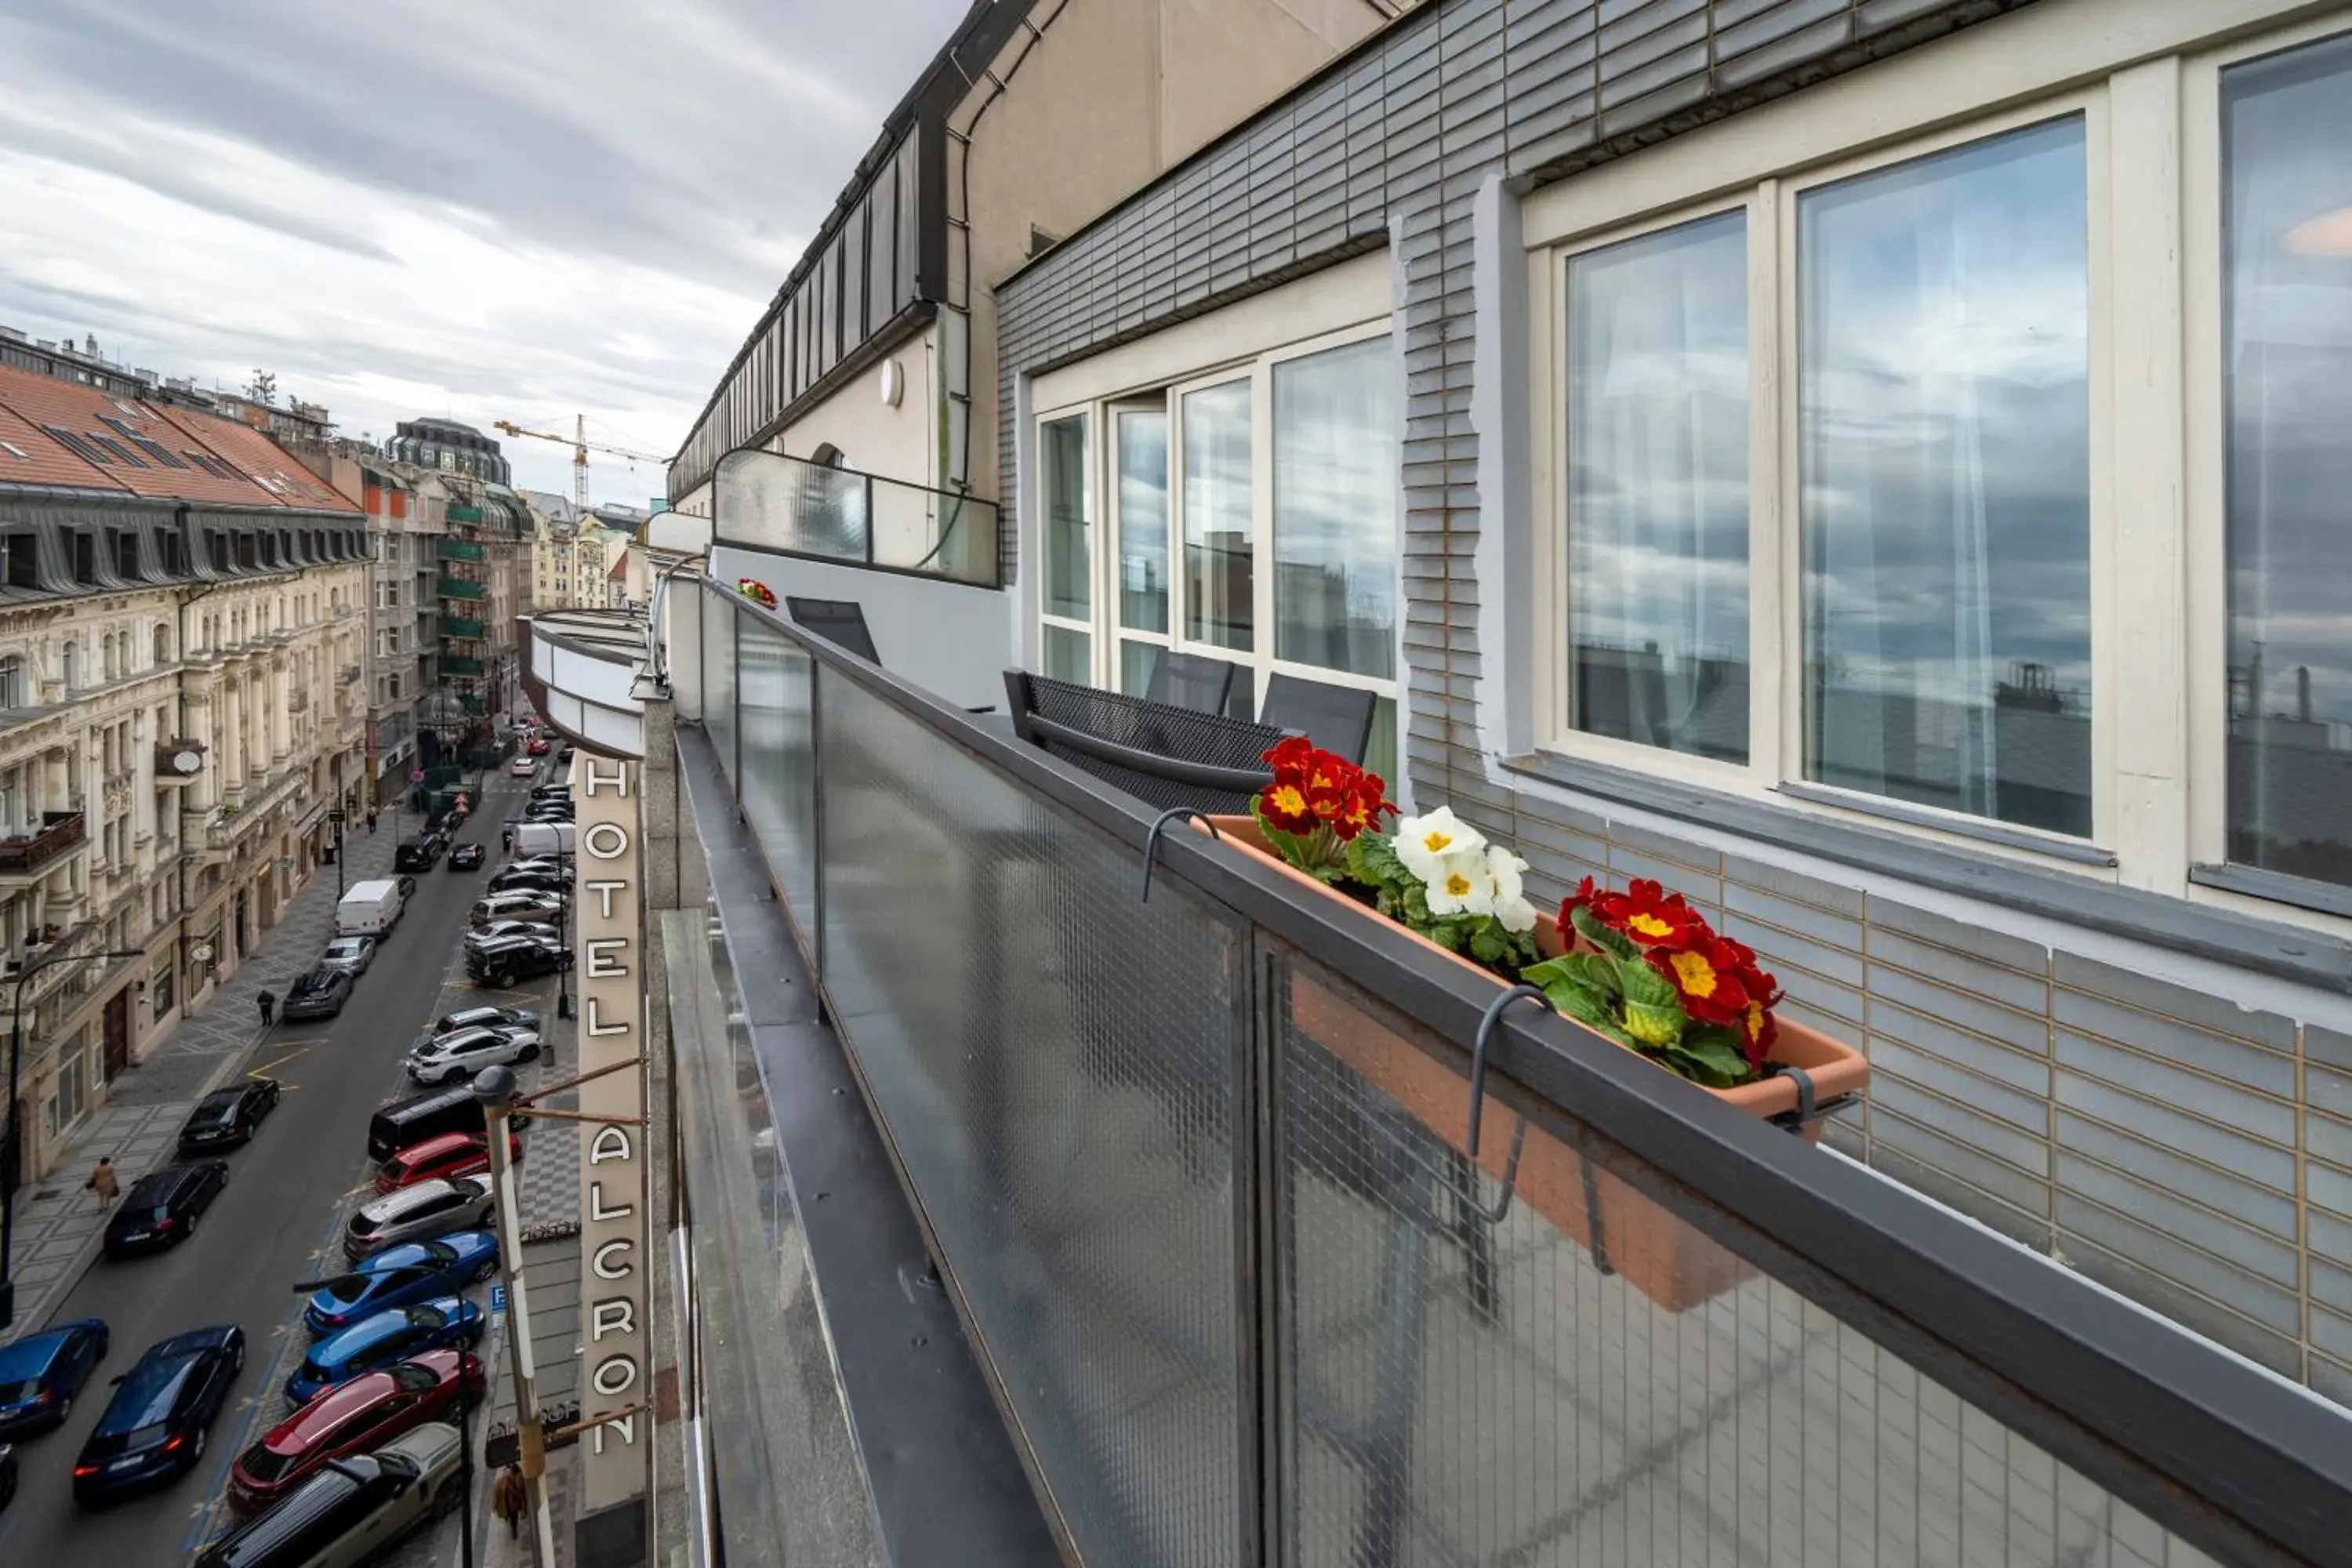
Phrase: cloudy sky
{"type": "Point", "coordinates": [487, 209]}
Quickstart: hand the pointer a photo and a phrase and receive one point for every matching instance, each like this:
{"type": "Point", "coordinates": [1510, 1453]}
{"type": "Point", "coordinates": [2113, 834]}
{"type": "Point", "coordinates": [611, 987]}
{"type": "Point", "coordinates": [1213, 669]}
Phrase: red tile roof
{"type": "Point", "coordinates": [77, 435]}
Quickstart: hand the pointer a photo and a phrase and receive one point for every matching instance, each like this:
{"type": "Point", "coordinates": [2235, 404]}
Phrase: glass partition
{"type": "Point", "coordinates": [765, 501]}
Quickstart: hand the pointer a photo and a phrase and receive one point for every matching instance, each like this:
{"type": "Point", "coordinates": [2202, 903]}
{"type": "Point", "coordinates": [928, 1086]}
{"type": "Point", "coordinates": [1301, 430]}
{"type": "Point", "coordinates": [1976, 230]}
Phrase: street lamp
{"type": "Point", "coordinates": [14, 1143]}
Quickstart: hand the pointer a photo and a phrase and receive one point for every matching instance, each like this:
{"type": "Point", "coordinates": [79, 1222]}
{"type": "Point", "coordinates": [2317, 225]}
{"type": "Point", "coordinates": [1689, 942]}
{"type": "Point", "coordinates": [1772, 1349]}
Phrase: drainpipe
{"type": "Point", "coordinates": [180, 703]}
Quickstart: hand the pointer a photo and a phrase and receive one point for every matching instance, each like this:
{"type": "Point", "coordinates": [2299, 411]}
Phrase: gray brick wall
{"type": "Point", "coordinates": [2193, 1156]}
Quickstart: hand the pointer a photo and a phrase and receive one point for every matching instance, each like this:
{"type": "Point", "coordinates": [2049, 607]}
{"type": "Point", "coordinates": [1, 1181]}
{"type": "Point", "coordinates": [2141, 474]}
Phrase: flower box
{"type": "Point", "coordinates": [1660, 1254]}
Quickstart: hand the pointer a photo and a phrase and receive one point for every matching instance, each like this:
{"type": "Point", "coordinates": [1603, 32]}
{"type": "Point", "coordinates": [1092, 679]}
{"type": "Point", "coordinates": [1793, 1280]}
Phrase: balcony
{"type": "Point", "coordinates": [462, 512]}
{"type": "Point", "coordinates": [459, 626]}
{"type": "Point", "coordinates": [455, 664]}
{"type": "Point", "coordinates": [767, 502]}
{"type": "Point", "coordinates": [1261, 1227]}
{"type": "Point", "coordinates": [31, 854]}
{"type": "Point", "coordinates": [463, 588]}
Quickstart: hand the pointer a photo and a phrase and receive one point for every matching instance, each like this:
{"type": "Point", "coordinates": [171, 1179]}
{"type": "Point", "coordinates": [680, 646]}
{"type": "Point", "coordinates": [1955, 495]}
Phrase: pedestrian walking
{"type": "Point", "coordinates": [510, 1500]}
{"type": "Point", "coordinates": [268, 1004]}
{"type": "Point", "coordinates": [506, 841]}
{"type": "Point", "coordinates": [371, 819]}
{"type": "Point", "coordinates": [101, 1181]}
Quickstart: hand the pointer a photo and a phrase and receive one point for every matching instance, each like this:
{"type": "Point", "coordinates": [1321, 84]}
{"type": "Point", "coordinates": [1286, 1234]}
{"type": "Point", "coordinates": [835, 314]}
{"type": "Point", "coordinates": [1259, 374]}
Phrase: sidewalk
{"type": "Point", "coordinates": [57, 1221]}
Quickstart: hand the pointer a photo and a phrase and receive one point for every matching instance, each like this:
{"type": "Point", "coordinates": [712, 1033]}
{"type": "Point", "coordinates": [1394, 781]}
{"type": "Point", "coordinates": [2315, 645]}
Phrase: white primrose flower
{"type": "Point", "coordinates": [1425, 843]}
{"type": "Point", "coordinates": [1462, 885]}
{"type": "Point", "coordinates": [1510, 905]}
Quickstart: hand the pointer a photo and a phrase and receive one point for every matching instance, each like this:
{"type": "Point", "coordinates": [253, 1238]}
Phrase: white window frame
{"type": "Point", "coordinates": [1090, 421]}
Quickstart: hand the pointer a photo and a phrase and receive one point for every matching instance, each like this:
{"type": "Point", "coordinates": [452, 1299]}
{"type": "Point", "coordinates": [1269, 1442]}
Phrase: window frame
{"type": "Point", "coordinates": [1089, 423]}
{"type": "Point", "coordinates": [1770, 195]}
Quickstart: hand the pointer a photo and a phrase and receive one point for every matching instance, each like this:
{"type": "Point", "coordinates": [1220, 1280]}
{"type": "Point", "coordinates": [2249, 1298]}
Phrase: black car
{"type": "Point", "coordinates": [500, 964]}
{"type": "Point", "coordinates": [512, 879]}
{"type": "Point", "coordinates": [153, 1429]}
{"type": "Point", "coordinates": [468, 857]}
{"type": "Point", "coordinates": [229, 1117]}
{"type": "Point", "coordinates": [317, 994]}
{"type": "Point", "coordinates": [549, 792]}
{"type": "Point", "coordinates": [407, 891]}
{"type": "Point", "coordinates": [161, 1208]}
{"type": "Point", "coordinates": [547, 814]}
{"type": "Point", "coordinates": [420, 853]}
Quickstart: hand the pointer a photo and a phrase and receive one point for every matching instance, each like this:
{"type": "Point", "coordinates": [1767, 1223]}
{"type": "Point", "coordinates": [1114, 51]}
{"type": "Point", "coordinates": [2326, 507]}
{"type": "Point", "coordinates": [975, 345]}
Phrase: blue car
{"type": "Point", "coordinates": [153, 1429]}
{"type": "Point", "coordinates": [401, 1276]}
{"type": "Point", "coordinates": [41, 1374]}
{"type": "Point", "coordinates": [384, 1340]}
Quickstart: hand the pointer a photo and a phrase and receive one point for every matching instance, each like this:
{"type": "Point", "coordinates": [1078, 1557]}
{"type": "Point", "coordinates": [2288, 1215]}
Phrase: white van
{"type": "Point", "coordinates": [368, 908]}
{"type": "Point", "coordinates": [543, 837]}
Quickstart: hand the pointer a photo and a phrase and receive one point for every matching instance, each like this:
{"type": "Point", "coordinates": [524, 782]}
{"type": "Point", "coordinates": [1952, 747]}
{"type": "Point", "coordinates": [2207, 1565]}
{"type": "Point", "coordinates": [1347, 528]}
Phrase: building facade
{"type": "Point", "coordinates": [181, 705]}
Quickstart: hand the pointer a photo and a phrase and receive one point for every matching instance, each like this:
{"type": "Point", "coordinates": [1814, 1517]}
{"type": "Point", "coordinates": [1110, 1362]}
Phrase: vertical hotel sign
{"type": "Point", "coordinates": [614, 1372]}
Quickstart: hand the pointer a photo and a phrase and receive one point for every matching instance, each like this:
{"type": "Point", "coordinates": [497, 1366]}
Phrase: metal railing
{"type": "Point", "coordinates": [764, 500]}
{"type": "Point", "coordinates": [60, 831]}
{"type": "Point", "coordinates": [1198, 1174]}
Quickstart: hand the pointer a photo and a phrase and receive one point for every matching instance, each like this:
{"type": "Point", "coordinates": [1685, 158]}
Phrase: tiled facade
{"type": "Point", "coordinates": [2188, 1151]}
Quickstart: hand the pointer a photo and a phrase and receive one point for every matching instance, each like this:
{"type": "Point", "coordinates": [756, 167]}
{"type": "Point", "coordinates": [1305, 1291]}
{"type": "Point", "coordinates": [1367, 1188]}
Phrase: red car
{"type": "Point", "coordinates": [537, 747]}
{"type": "Point", "coordinates": [452, 1154]}
{"type": "Point", "coordinates": [353, 1417]}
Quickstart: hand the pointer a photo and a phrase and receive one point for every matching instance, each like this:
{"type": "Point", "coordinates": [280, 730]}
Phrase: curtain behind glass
{"type": "Point", "coordinates": [2287, 157]}
{"type": "Point", "coordinates": [1142, 453]}
{"type": "Point", "coordinates": [1657, 508]}
{"type": "Point", "coordinates": [1944, 380]}
{"type": "Point", "coordinates": [1334, 491]}
{"type": "Point", "coordinates": [1217, 516]}
{"type": "Point", "coordinates": [1068, 508]}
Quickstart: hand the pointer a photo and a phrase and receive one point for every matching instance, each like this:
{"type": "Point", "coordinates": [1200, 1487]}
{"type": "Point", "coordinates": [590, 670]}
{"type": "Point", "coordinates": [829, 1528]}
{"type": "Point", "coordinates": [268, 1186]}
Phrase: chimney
{"type": "Point", "coordinates": [2303, 692]}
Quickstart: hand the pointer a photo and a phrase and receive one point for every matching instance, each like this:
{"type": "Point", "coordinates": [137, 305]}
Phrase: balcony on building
{"type": "Point", "coordinates": [1119, 1223]}
{"type": "Point", "coordinates": [460, 626]}
{"type": "Point", "coordinates": [459, 664]}
{"type": "Point", "coordinates": [31, 852]}
{"type": "Point", "coordinates": [462, 588]}
{"type": "Point", "coordinates": [449, 549]}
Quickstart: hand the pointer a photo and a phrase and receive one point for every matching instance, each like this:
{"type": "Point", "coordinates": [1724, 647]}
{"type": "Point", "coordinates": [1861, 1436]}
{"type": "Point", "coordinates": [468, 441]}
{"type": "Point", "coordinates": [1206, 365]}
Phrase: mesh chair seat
{"type": "Point", "coordinates": [1337, 717]}
{"type": "Point", "coordinates": [1190, 680]}
{"type": "Point", "coordinates": [1148, 730]}
{"type": "Point", "coordinates": [841, 622]}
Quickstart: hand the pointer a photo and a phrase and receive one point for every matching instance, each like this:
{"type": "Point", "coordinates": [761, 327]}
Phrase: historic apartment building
{"type": "Point", "coordinates": [181, 704]}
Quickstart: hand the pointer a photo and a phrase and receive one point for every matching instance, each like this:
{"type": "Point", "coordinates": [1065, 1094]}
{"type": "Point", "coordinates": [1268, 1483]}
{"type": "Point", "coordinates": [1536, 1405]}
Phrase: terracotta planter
{"type": "Point", "coordinates": [1667, 1260]}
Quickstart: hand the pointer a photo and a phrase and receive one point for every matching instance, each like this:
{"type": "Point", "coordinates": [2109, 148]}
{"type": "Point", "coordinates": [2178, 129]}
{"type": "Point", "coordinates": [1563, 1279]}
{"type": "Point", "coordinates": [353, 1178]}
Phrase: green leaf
{"type": "Point", "coordinates": [1704, 1058]}
{"type": "Point", "coordinates": [1489, 942]}
{"type": "Point", "coordinates": [1372, 858]}
{"type": "Point", "coordinates": [1645, 984]}
{"type": "Point", "coordinates": [1572, 999]}
{"type": "Point", "coordinates": [1596, 970]}
{"type": "Point", "coordinates": [1616, 943]}
{"type": "Point", "coordinates": [1654, 1026]}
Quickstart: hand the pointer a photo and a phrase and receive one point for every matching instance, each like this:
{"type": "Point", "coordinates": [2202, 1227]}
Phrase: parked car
{"type": "Point", "coordinates": [544, 838]}
{"type": "Point", "coordinates": [40, 1373]}
{"type": "Point", "coordinates": [352, 954]}
{"type": "Point", "coordinates": [317, 994]}
{"type": "Point", "coordinates": [468, 857]}
{"type": "Point", "coordinates": [401, 1277]}
{"type": "Point", "coordinates": [417, 1214]}
{"type": "Point", "coordinates": [523, 767]}
{"type": "Point", "coordinates": [420, 853]}
{"type": "Point", "coordinates": [449, 1109]}
{"type": "Point", "coordinates": [161, 1207]}
{"type": "Point", "coordinates": [485, 1018]}
{"type": "Point", "coordinates": [372, 908]}
{"type": "Point", "coordinates": [408, 885]}
{"type": "Point", "coordinates": [447, 1157]}
{"type": "Point", "coordinates": [384, 1338]}
{"type": "Point", "coordinates": [550, 792]}
{"type": "Point", "coordinates": [522, 904]}
{"type": "Point", "coordinates": [352, 1509]}
{"type": "Point", "coordinates": [546, 864]}
{"type": "Point", "coordinates": [548, 810]}
{"type": "Point", "coordinates": [227, 1118]}
{"type": "Point", "coordinates": [500, 964]}
{"type": "Point", "coordinates": [468, 1051]}
{"type": "Point", "coordinates": [537, 745]}
{"type": "Point", "coordinates": [482, 936]}
{"type": "Point", "coordinates": [533, 882]}
{"type": "Point", "coordinates": [359, 1415]}
{"type": "Point", "coordinates": [153, 1428]}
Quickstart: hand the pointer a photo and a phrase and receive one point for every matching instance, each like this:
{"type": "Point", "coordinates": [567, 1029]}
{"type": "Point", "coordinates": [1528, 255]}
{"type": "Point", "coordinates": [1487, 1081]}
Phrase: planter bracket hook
{"type": "Point", "coordinates": [1158, 826]}
{"type": "Point", "coordinates": [1502, 1205]}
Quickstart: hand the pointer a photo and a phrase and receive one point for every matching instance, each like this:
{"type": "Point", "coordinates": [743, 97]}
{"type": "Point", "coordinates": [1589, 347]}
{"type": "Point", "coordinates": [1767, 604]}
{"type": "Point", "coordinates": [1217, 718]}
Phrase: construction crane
{"type": "Point", "coordinates": [581, 447]}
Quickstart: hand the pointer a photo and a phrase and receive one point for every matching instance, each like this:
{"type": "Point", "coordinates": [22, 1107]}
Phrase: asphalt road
{"type": "Point", "coordinates": [276, 1223]}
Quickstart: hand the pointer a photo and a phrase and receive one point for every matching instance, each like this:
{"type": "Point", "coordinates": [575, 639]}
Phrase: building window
{"type": "Point", "coordinates": [1067, 492]}
{"type": "Point", "coordinates": [1335, 482]}
{"type": "Point", "coordinates": [160, 994]}
{"type": "Point", "coordinates": [162, 644]}
{"type": "Point", "coordinates": [70, 664]}
{"type": "Point", "coordinates": [1141, 494]}
{"type": "Point", "coordinates": [1657, 490]}
{"type": "Point", "coordinates": [2286, 129]}
{"type": "Point", "coordinates": [1219, 519]}
{"type": "Point", "coordinates": [13, 693]}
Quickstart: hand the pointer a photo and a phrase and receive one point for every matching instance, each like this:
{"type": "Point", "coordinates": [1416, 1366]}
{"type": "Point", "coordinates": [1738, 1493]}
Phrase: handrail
{"type": "Point", "coordinates": [2249, 1465]}
{"type": "Point", "coordinates": [940, 516]}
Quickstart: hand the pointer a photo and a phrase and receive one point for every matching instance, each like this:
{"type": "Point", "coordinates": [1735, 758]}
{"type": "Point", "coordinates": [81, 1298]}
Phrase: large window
{"type": "Point", "coordinates": [1944, 411]}
{"type": "Point", "coordinates": [1657, 488]}
{"type": "Point", "coordinates": [1251, 516]}
{"type": "Point", "coordinates": [2287, 140]}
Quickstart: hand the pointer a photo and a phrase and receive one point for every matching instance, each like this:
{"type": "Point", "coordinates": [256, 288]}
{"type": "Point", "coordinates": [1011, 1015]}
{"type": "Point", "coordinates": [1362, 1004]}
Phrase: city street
{"type": "Point", "coordinates": [276, 1223]}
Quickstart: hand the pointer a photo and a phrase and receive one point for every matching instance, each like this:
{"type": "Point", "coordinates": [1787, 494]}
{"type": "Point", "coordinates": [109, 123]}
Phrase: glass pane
{"type": "Point", "coordinates": [1944, 416]}
{"type": "Point", "coordinates": [1143, 521]}
{"type": "Point", "coordinates": [1137, 660]}
{"type": "Point", "coordinates": [1217, 523]}
{"type": "Point", "coordinates": [1380, 745]}
{"type": "Point", "coordinates": [1070, 557]}
{"type": "Point", "coordinates": [1657, 501]}
{"type": "Point", "coordinates": [2287, 139]}
{"type": "Point", "coordinates": [1069, 656]}
{"type": "Point", "coordinates": [1335, 498]}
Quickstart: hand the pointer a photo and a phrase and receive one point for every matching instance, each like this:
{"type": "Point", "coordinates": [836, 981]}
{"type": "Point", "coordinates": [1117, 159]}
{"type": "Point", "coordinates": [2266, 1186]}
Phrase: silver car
{"type": "Point", "coordinates": [465, 1052]}
{"type": "Point", "coordinates": [353, 1508]}
{"type": "Point", "coordinates": [352, 954]}
{"type": "Point", "coordinates": [418, 1213]}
